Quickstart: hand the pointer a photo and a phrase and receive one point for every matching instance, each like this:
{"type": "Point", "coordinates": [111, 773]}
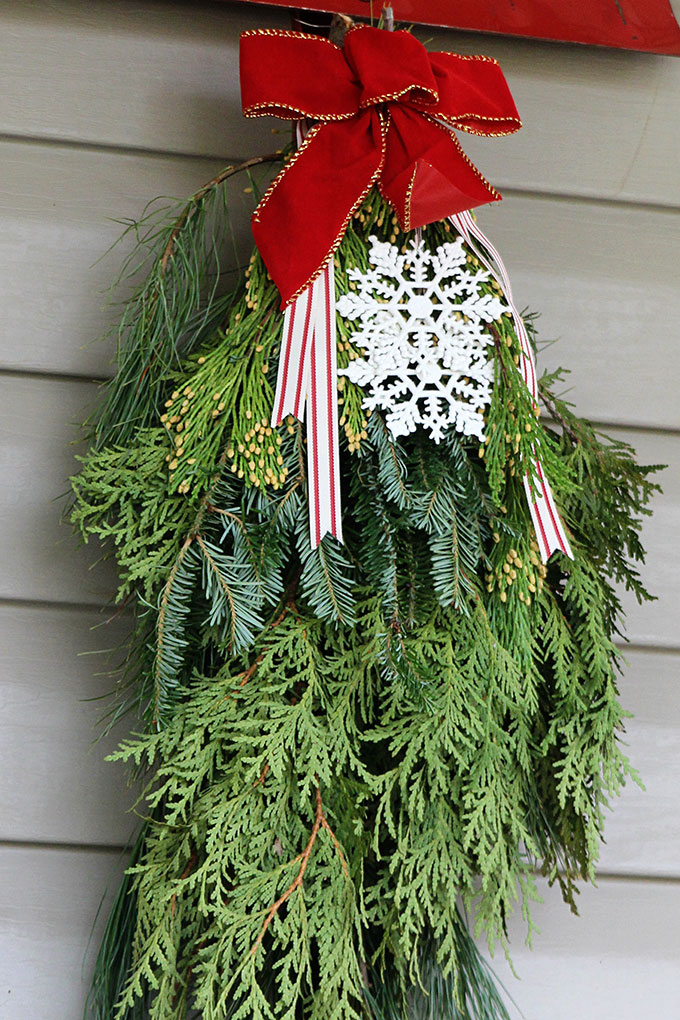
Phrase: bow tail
{"type": "Point", "coordinates": [427, 176]}
{"type": "Point", "coordinates": [550, 532]}
{"type": "Point", "coordinates": [323, 444]}
{"type": "Point", "coordinates": [308, 372]}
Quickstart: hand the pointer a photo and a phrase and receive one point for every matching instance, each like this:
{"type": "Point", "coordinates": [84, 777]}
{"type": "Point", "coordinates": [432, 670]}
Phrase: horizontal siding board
{"type": "Point", "coordinates": [599, 275]}
{"type": "Point", "coordinates": [48, 904]}
{"type": "Point", "coordinates": [595, 122]}
{"type": "Point", "coordinates": [148, 76]}
{"type": "Point", "coordinates": [41, 560]}
{"type": "Point", "coordinates": [604, 282]}
{"type": "Point", "coordinates": [61, 210]}
{"type": "Point", "coordinates": [144, 75]}
{"type": "Point", "coordinates": [642, 832]}
{"type": "Point", "coordinates": [617, 960]}
{"type": "Point", "coordinates": [58, 788]}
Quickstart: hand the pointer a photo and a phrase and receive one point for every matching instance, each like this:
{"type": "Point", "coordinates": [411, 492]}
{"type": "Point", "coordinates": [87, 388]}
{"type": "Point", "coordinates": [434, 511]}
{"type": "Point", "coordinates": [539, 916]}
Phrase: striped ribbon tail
{"type": "Point", "coordinates": [308, 373]}
{"type": "Point", "coordinates": [550, 532]}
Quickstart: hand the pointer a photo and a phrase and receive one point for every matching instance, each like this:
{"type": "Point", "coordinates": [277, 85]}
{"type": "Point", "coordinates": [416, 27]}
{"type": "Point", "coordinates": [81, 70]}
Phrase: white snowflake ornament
{"type": "Point", "coordinates": [421, 323]}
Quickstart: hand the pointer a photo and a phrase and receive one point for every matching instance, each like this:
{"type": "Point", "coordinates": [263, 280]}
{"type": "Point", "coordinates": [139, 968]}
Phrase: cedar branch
{"type": "Point", "coordinates": [303, 858]}
{"type": "Point", "coordinates": [191, 864]}
{"type": "Point", "coordinates": [320, 821]}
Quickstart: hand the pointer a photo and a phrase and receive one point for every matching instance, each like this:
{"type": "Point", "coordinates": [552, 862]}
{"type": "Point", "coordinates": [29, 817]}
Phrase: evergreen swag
{"type": "Point", "coordinates": [346, 752]}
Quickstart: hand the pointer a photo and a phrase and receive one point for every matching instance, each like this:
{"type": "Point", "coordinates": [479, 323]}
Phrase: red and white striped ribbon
{"type": "Point", "coordinates": [308, 371]}
{"type": "Point", "coordinates": [549, 529]}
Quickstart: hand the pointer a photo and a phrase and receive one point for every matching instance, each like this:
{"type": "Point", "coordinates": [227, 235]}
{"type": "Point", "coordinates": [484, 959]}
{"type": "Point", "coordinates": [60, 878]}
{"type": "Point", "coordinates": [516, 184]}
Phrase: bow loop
{"type": "Point", "coordinates": [473, 95]}
{"type": "Point", "coordinates": [292, 75]}
{"type": "Point", "coordinates": [391, 67]}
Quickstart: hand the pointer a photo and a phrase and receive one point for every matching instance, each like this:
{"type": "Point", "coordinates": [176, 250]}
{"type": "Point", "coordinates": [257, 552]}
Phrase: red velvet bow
{"type": "Point", "coordinates": [384, 108]}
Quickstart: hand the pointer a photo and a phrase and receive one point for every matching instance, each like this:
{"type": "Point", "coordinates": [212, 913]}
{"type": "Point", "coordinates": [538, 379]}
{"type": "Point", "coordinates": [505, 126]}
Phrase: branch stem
{"type": "Point", "coordinates": [320, 821]}
{"type": "Point", "coordinates": [192, 204]}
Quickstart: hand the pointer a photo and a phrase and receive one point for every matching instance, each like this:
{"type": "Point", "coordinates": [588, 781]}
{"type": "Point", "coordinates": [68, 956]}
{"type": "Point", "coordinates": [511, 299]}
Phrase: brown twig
{"type": "Point", "coordinates": [303, 858]}
{"type": "Point", "coordinates": [220, 178]}
{"type": "Point", "coordinates": [555, 414]}
{"type": "Point", "coordinates": [250, 672]}
{"type": "Point", "coordinates": [320, 821]}
{"type": "Point", "coordinates": [289, 603]}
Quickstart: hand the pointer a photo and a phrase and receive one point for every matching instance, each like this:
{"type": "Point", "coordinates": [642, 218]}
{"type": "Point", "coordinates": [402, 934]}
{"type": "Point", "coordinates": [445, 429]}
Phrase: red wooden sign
{"type": "Point", "coordinates": [628, 24]}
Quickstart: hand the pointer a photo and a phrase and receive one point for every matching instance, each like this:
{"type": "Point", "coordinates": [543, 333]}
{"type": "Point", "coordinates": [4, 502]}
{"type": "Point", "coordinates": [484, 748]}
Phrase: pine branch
{"type": "Point", "coordinates": [191, 207]}
{"type": "Point", "coordinates": [173, 309]}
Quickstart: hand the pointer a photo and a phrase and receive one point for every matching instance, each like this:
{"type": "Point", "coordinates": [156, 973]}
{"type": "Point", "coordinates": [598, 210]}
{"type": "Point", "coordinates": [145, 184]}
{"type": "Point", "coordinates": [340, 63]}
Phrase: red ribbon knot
{"type": "Point", "coordinates": [384, 108]}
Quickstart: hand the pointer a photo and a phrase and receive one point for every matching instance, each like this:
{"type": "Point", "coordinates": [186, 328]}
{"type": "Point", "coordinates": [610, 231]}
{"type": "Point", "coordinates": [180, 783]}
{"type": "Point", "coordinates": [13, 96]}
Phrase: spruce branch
{"type": "Point", "coordinates": [222, 583]}
{"type": "Point", "coordinates": [160, 677]}
{"type": "Point", "coordinates": [168, 660]}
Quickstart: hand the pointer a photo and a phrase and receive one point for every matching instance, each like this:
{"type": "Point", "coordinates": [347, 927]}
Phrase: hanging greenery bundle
{"type": "Point", "coordinates": [354, 754]}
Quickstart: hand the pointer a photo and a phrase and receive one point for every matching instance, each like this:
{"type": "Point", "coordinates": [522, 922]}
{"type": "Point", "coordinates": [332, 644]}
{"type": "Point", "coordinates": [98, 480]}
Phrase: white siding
{"type": "Point", "coordinates": [106, 104]}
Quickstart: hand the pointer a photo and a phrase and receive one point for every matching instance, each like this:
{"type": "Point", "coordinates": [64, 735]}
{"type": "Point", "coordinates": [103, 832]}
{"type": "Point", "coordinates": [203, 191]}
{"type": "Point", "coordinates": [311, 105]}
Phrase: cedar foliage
{"type": "Point", "coordinates": [351, 756]}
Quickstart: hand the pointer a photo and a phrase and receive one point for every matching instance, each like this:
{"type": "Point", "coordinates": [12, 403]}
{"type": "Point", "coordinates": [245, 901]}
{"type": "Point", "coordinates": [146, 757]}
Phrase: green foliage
{"type": "Point", "coordinates": [291, 844]}
{"type": "Point", "coordinates": [467, 993]}
{"type": "Point", "coordinates": [122, 500]}
{"type": "Point", "coordinates": [179, 252]}
{"type": "Point", "coordinates": [348, 751]}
